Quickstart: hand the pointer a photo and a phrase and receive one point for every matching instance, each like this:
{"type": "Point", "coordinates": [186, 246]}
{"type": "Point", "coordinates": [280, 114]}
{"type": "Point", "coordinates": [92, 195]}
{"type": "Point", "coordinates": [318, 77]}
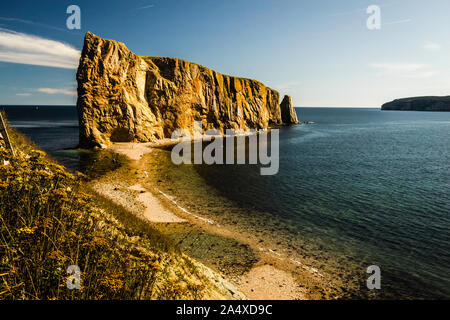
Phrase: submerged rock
{"type": "Point", "coordinates": [123, 97]}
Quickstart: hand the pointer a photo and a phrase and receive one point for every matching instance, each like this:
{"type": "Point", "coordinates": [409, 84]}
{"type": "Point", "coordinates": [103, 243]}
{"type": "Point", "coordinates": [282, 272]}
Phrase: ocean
{"type": "Point", "coordinates": [53, 129]}
{"type": "Point", "coordinates": [359, 187]}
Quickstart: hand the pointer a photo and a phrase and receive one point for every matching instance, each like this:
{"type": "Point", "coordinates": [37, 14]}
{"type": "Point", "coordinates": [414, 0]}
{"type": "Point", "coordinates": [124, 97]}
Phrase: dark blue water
{"type": "Point", "coordinates": [365, 183]}
{"type": "Point", "coordinates": [372, 182]}
{"type": "Point", "coordinates": [52, 128]}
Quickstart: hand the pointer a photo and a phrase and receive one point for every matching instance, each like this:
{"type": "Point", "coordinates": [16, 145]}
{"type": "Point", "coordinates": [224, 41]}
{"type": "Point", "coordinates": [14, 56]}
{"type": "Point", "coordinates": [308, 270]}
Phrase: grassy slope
{"type": "Point", "coordinates": [49, 220]}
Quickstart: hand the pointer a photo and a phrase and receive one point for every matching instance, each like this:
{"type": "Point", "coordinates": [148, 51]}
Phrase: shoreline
{"type": "Point", "coordinates": [260, 268]}
{"type": "Point", "coordinates": [98, 228]}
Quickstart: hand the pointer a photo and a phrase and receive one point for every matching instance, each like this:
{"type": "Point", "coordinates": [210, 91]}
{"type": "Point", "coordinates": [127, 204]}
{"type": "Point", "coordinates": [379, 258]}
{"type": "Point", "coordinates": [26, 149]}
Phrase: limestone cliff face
{"type": "Point", "coordinates": [123, 97]}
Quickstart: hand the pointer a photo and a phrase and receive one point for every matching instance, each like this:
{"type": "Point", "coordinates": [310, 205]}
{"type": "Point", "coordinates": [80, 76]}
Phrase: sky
{"type": "Point", "coordinates": [320, 52]}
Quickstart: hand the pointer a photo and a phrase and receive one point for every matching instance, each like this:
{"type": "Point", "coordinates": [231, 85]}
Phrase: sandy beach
{"type": "Point", "coordinates": [259, 272]}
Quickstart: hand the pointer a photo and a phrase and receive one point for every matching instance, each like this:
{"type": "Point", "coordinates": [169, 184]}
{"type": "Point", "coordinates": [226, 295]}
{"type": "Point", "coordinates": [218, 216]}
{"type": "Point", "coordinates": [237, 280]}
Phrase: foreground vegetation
{"type": "Point", "coordinates": [49, 221]}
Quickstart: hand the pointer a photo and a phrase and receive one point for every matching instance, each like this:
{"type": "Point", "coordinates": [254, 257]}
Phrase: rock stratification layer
{"type": "Point", "coordinates": [419, 104]}
{"type": "Point", "coordinates": [123, 97]}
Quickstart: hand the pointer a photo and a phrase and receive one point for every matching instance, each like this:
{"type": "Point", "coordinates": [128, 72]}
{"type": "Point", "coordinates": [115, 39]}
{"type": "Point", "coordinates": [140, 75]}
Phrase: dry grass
{"type": "Point", "coordinates": [49, 221]}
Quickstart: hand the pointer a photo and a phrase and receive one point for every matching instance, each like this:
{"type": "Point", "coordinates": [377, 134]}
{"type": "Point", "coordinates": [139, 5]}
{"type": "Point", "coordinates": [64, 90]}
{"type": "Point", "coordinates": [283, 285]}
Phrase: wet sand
{"type": "Point", "coordinates": [145, 203]}
{"type": "Point", "coordinates": [257, 265]}
{"type": "Point", "coordinates": [268, 283]}
{"type": "Point", "coordinates": [134, 151]}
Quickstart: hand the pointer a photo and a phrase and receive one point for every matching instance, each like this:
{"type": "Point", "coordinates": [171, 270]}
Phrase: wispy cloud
{"type": "Point", "coordinates": [398, 67]}
{"type": "Point", "coordinates": [23, 48]}
{"type": "Point", "coordinates": [432, 46]}
{"type": "Point", "coordinates": [7, 19]}
{"type": "Point", "coordinates": [396, 22]}
{"type": "Point", "coordinates": [424, 74]}
{"type": "Point", "coordinates": [66, 92]}
{"type": "Point", "coordinates": [23, 94]}
{"type": "Point", "coordinates": [409, 70]}
{"type": "Point", "coordinates": [346, 13]}
{"type": "Point", "coordinates": [355, 11]}
{"type": "Point", "coordinates": [287, 87]}
{"type": "Point", "coordinates": [145, 7]}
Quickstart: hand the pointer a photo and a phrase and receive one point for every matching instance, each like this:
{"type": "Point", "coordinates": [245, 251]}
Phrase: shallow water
{"type": "Point", "coordinates": [365, 184]}
{"type": "Point", "coordinates": [359, 187]}
{"type": "Point", "coordinates": [55, 130]}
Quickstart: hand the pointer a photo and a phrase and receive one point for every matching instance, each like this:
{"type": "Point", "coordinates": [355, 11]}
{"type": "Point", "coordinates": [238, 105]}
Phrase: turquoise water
{"type": "Point", "coordinates": [366, 184]}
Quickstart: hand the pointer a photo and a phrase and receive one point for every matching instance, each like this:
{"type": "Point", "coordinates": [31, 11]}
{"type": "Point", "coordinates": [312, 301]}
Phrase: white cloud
{"type": "Point", "coordinates": [408, 70]}
{"type": "Point", "coordinates": [424, 74]}
{"type": "Point", "coordinates": [23, 94]}
{"type": "Point", "coordinates": [57, 91]}
{"type": "Point", "coordinates": [432, 46]}
{"type": "Point", "coordinates": [28, 49]}
{"type": "Point", "coordinates": [398, 67]}
{"type": "Point", "coordinates": [145, 7]}
{"type": "Point", "coordinates": [287, 87]}
{"type": "Point", "coordinates": [356, 11]}
{"type": "Point", "coordinates": [346, 13]}
{"type": "Point", "coordinates": [32, 23]}
{"type": "Point", "coordinates": [397, 22]}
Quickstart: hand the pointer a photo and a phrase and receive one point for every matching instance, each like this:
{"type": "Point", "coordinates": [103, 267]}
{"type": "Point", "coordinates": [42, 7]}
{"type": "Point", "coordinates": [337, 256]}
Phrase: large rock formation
{"type": "Point", "coordinates": [419, 104]}
{"type": "Point", "coordinates": [288, 114]}
{"type": "Point", "coordinates": [123, 97]}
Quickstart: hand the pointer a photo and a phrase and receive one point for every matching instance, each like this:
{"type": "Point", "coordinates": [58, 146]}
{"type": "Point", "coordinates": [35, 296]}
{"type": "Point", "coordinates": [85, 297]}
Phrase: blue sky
{"type": "Point", "coordinates": [319, 51]}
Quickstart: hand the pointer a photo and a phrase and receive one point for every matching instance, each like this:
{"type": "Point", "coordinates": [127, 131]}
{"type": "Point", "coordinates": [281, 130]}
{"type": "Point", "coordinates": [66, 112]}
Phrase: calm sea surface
{"type": "Point", "coordinates": [368, 185]}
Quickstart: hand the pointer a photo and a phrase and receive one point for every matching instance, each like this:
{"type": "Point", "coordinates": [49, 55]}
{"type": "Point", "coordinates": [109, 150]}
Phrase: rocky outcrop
{"type": "Point", "coordinates": [288, 114]}
{"type": "Point", "coordinates": [419, 104]}
{"type": "Point", "coordinates": [123, 97]}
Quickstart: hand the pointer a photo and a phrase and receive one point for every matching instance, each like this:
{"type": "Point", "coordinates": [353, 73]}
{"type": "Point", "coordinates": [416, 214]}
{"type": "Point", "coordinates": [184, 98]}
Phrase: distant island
{"type": "Point", "coordinates": [419, 104]}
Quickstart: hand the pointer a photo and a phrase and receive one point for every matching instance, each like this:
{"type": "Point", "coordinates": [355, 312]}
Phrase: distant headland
{"type": "Point", "coordinates": [419, 104]}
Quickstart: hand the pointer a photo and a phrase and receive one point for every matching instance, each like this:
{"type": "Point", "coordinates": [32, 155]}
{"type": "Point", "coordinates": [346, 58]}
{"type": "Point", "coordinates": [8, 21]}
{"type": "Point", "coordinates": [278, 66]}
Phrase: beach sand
{"type": "Point", "coordinates": [260, 274]}
{"type": "Point", "coordinates": [134, 151]}
{"type": "Point", "coordinates": [269, 283]}
{"type": "Point", "coordinates": [138, 200]}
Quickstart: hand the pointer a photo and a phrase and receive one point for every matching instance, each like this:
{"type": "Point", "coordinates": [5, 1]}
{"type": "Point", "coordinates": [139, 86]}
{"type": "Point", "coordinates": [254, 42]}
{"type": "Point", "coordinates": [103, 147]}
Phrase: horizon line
{"type": "Point", "coordinates": [74, 105]}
